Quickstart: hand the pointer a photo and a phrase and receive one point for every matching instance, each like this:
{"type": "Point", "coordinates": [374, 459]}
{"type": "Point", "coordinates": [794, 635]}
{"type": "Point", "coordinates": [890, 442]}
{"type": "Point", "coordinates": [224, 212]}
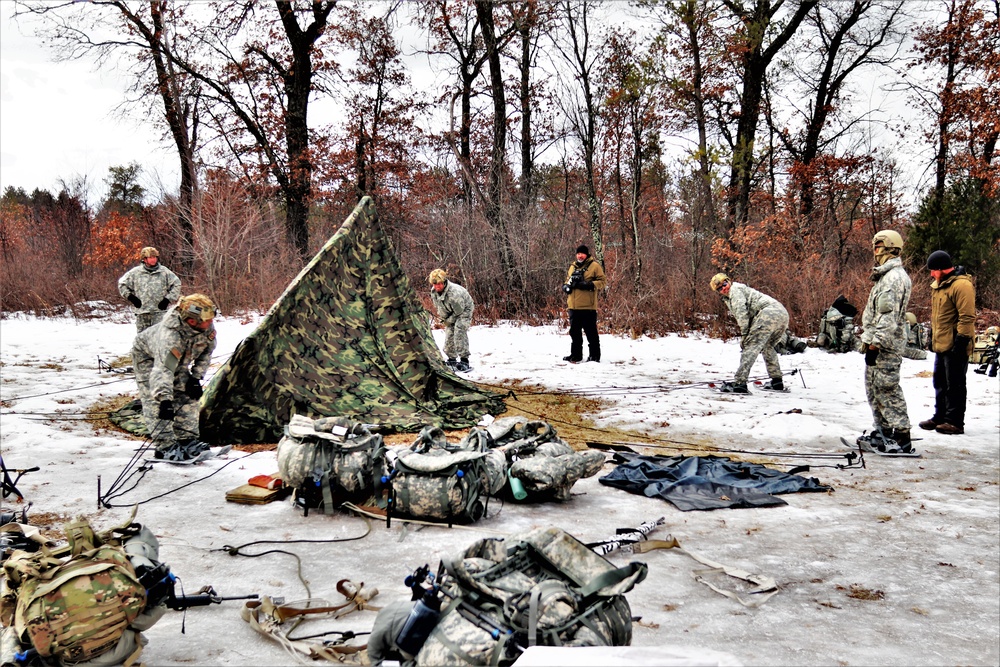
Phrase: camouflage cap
{"type": "Point", "coordinates": [196, 306]}
{"type": "Point", "coordinates": [437, 277]}
{"type": "Point", "coordinates": [148, 251]}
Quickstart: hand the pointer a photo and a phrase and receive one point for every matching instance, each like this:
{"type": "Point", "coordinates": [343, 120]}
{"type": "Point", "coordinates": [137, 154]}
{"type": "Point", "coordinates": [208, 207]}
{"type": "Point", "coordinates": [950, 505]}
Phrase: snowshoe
{"type": "Point", "coordinates": [734, 388]}
{"type": "Point", "coordinates": [772, 385]}
{"type": "Point", "coordinates": [876, 443]}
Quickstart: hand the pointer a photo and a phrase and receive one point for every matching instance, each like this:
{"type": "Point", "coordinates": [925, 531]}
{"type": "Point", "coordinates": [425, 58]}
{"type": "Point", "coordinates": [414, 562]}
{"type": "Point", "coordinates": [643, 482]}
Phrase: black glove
{"type": "Point", "coordinates": [193, 388]}
{"type": "Point", "coordinates": [166, 410]}
{"type": "Point", "coordinates": [162, 305]}
{"type": "Point", "coordinates": [134, 300]}
{"type": "Point", "coordinates": [961, 344]}
{"type": "Point", "coordinates": [871, 355]}
{"type": "Point", "coordinates": [585, 285]}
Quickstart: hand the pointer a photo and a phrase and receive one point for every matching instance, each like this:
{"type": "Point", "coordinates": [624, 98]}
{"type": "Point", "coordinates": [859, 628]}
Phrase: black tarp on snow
{"type": "Point", "coordinates": [706, 482]}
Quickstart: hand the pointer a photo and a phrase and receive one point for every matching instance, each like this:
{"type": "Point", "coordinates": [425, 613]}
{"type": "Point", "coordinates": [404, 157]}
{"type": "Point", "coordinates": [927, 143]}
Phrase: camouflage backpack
{"type": "Point", "coordinates": [541, 588]}
{"type": "Point", "coordinates": [329, 461]}
{"type": "Point", "coordinates": [545, 465]}
{"type": "Point", "coordinates": [76, 609]}
{"type": "Point", "coordinates": [435, 479]}
{"type": "Point", "coordinates": [836, 327]}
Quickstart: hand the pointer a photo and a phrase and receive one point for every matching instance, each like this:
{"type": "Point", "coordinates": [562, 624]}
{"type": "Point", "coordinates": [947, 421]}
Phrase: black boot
{"type": "Point", "coordinates": [734, 388]}
{"type": "Point", "coordinates": [571, 359]}
{"type": "Point", "coordinates": [777, 384]}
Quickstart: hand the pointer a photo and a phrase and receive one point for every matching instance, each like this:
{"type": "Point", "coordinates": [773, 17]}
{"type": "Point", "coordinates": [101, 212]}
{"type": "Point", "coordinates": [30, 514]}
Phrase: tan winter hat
{"type": "Point", "coordinates": [437, 277]}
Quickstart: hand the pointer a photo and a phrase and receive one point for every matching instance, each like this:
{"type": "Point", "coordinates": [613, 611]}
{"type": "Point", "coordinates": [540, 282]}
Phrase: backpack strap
{"type": "Point", "coordinates": [612, 577]}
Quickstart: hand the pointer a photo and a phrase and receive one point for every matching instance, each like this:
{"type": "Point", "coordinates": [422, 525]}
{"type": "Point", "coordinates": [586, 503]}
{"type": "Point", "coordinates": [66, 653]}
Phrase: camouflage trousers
{"type": "Point", "coordinates": [456, 339]}
{"type": "Point", "coordinates": [145, 320]}
{"type": "Point", "coordinates": [765, 331]}
{"type": "Point", "coordinates": [885, 396]}
{"type": "Point", "coordinates": [187, 411]}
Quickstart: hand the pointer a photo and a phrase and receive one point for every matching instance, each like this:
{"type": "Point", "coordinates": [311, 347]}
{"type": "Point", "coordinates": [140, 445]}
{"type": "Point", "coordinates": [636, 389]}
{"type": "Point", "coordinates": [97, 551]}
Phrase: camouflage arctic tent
{"type": "Point", "coordinates": [347, 338]}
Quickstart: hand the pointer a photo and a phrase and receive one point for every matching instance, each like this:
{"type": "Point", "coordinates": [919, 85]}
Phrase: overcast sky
{"type": "Point", "coordinates": [58, 120]}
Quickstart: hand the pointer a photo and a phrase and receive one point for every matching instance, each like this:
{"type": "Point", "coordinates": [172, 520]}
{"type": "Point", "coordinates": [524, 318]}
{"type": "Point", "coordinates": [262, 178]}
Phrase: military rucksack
{"type": "Point", "coordinates": [329, 461]}
{"type": "Point", "coordinates": [544, 465]}
{"type": "Point", "coordinates": [541, 588]}
{"type": "Point", "coordinates": [836, 327]}
{"type": "Point", "coordinates": [77, 608]}
{"type": "Point", "coordinates": [435, 479]}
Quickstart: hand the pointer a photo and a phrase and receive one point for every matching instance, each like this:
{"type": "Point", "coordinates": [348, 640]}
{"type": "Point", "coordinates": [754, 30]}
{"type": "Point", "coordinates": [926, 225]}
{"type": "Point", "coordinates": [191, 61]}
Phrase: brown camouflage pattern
{"type": "Point", "coordinates": [79, 609]}
{"type": "Point", "coordinates": [347, 338]}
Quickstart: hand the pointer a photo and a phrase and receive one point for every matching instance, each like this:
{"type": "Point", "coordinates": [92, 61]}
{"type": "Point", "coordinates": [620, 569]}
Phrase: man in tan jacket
{"type": "Point", "coordinates": [584, 280]}
{"type": "Point", "coordinates": [953, 328]}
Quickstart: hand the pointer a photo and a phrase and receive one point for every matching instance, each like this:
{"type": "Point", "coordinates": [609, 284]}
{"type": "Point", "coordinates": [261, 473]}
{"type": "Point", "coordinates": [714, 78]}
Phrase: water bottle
{"type": "Point", "coordinates": [422, 619]}
{"type": "Point", "coordinates": [516, 487]}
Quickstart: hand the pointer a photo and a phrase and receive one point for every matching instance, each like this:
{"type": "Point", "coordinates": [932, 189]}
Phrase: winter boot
{"type": "Point", "coordinates": [463, 366]}
{"type": "Point", "coordinates": [776, 384]}
{"type": "Point", "coordinates": [451, 362]}
{"type": "Point", "coordinates": [597, 359]}
{"type": "Point", "coordinates": [950, 429]}
{"type": "Point", "coordinates": [929, 424]}
{"type": "Point", "coordinates": [874, 441]}
{"type": "Point", "coordinates": [734, 388]}
{"type": "Point", "coordinates": [571, 359]}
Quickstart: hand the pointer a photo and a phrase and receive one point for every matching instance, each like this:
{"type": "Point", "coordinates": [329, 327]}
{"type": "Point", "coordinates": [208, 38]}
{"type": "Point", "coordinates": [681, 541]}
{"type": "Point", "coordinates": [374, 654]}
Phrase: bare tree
{"type": "Point", "coordinates": [454, 27]}
{"type": "Point", "coordinates": [498, 157]}
{"type": "Point", "coordinates": [851, 37]}
{"type": "Point", "coordinates": [582, 101]}
{"type": "Point", "coordinates": [757, 22]}
{"type": "Point", "coordinates": [107, 29]}
{"type": "Point", "coordinates": [261, 90]}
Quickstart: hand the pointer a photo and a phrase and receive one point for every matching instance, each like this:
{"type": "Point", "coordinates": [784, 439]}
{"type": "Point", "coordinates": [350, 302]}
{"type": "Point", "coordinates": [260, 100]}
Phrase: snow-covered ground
{"type": "Point", "coordinates": [923, 532]}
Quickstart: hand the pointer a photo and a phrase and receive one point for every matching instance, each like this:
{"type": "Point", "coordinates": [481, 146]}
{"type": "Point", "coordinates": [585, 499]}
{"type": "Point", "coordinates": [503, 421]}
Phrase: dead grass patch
{"type": "Point", "coordinates": [568, 415]}
{"type": "Point", "coordinates": [859, 592]}
{"type": "Point", "coordinates": [49, 524]}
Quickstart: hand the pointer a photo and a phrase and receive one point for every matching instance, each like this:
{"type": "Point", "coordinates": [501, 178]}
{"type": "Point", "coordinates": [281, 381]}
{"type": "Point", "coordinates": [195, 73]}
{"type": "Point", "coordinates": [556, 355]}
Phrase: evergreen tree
{"type": "Point", "coordinates": [965, 223]}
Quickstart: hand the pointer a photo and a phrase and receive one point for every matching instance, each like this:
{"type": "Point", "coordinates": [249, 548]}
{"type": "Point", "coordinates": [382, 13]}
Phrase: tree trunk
{"type": "Point", "coordinates": [756, 60]}
{"type": "Point", "coordinates": [494, 190]}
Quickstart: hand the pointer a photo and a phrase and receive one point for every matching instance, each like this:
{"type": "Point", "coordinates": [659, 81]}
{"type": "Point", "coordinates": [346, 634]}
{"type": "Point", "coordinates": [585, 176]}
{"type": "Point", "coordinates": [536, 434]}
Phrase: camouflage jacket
{"type": "Point", "coordinates": [953, 311]}
{"type": "Point", "coordinates": [745, 303]}
{"type": "Point", "coordinates": [885, 312]}
{"type": "Point", "coordinates": [580, 299]}
{"type": "Point", "coordinates": [150, 286]}
{"type": "Point", "coordinates": [453, 304]}
{"type": "Point", "coordinates": [177, 351]}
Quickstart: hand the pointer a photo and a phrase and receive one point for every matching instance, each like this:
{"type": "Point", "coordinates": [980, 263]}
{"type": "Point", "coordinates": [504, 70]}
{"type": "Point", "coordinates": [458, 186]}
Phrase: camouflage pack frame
{"type": "Point", "coordinates": [543, 588]}
{"type": "Point", "coordinates": [987, 353]}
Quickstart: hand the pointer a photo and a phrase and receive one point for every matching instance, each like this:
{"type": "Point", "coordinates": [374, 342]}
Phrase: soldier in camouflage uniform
{"type": "Point", "coordinates": [150, 288]}
{"type": "Point", "coordinates": [170, 360]}
{"type": "Point", "coordinates": [454, 307]}
{"type": "Point", "coordinates": [882, 343]}
{"type": "Point", "coordinates": [762, 321]}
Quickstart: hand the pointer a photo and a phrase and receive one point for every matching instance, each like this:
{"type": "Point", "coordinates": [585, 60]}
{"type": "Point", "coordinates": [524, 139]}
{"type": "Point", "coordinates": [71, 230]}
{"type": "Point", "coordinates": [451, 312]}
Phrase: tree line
{"type": "Point", "coordinates": [676, 138]}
